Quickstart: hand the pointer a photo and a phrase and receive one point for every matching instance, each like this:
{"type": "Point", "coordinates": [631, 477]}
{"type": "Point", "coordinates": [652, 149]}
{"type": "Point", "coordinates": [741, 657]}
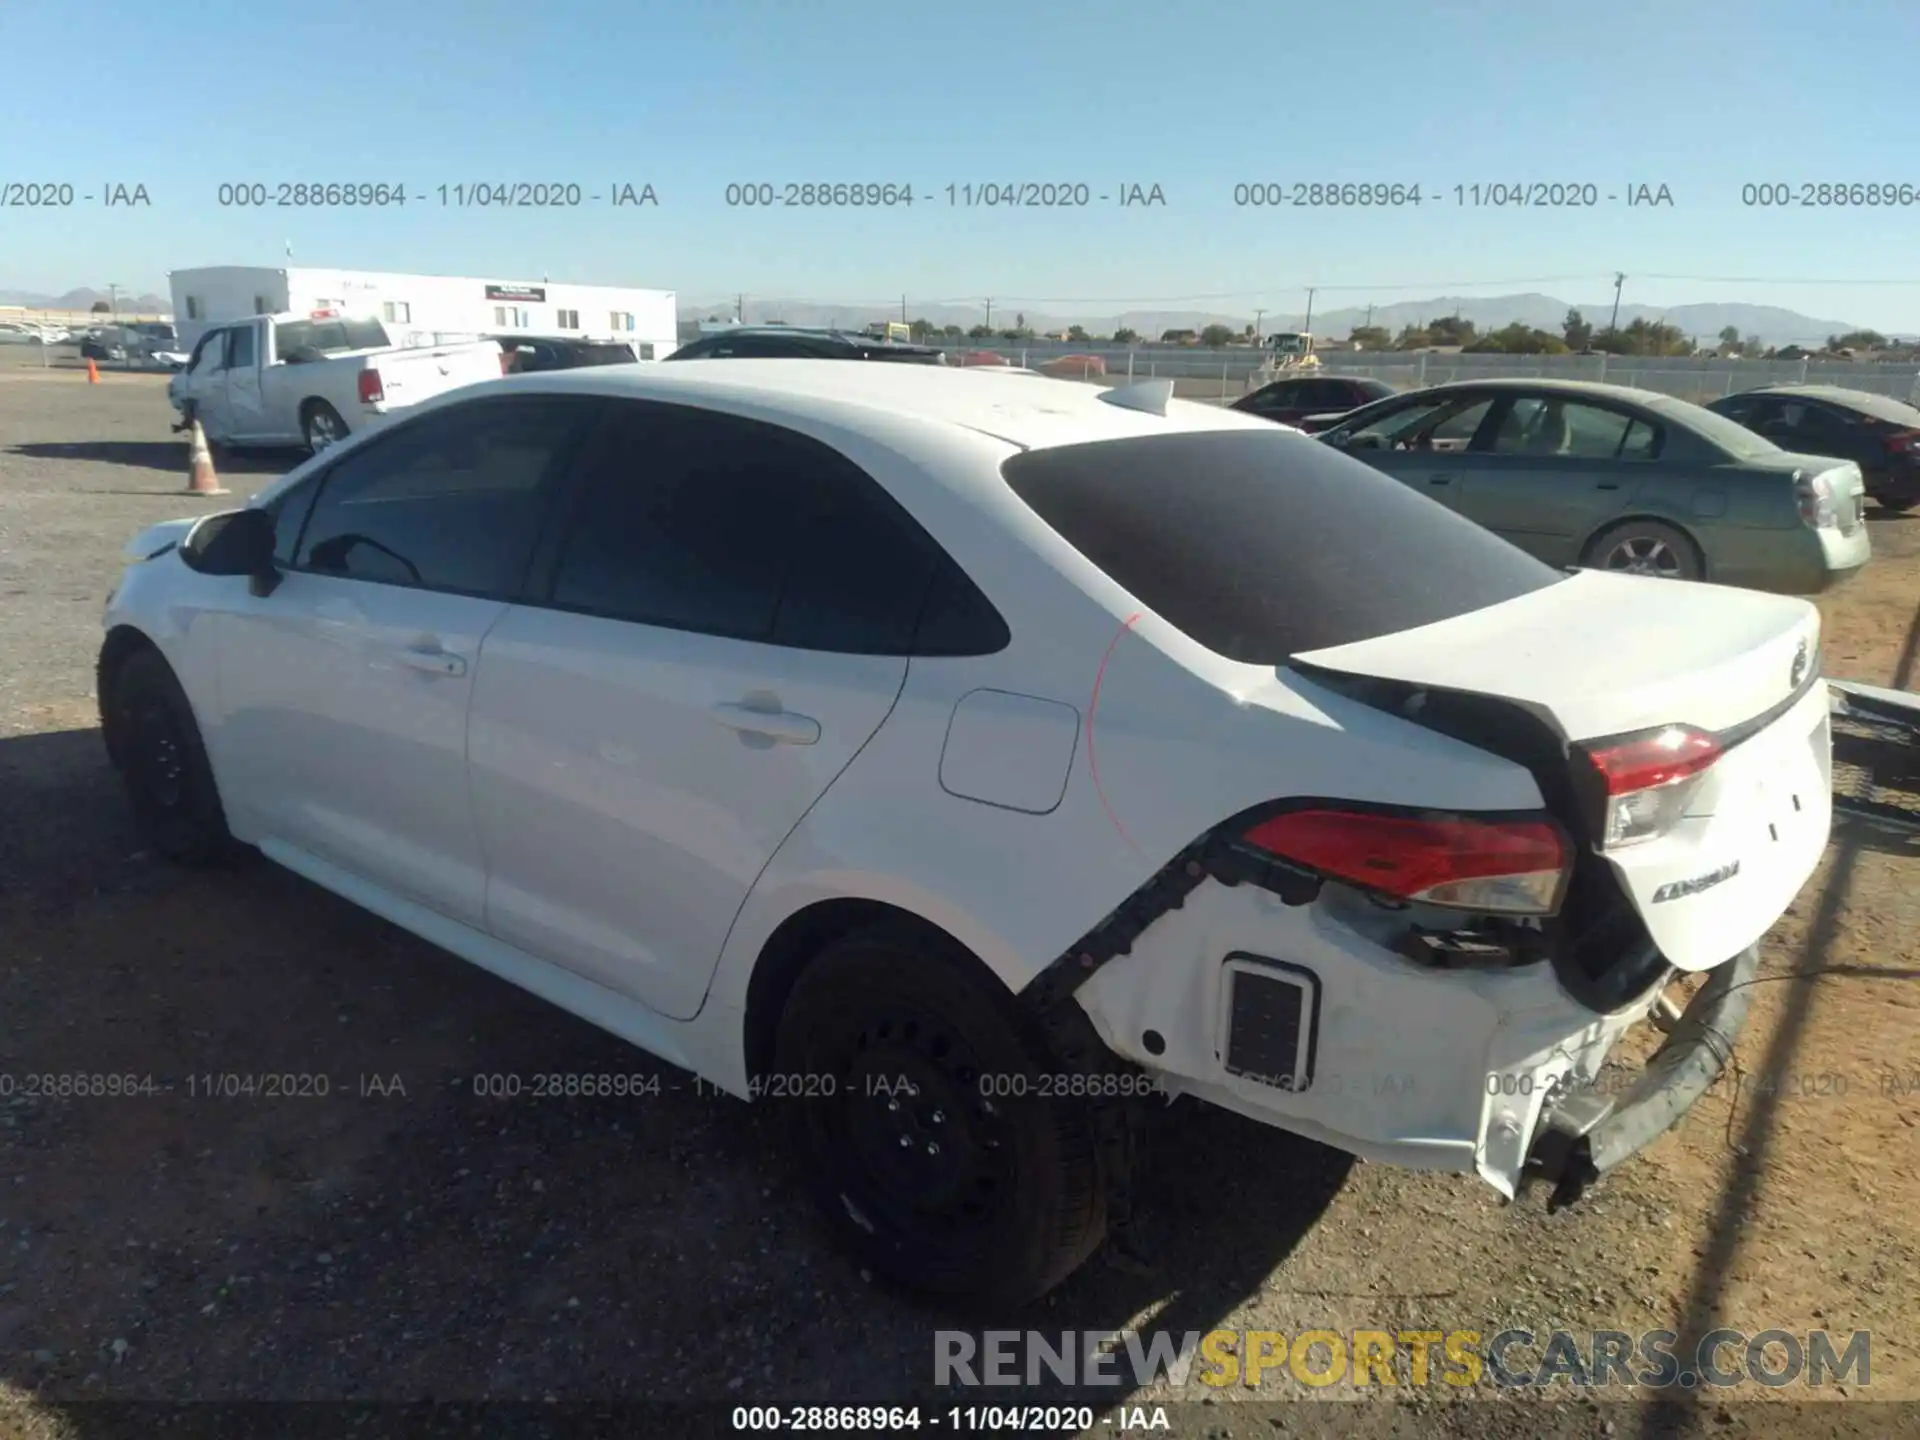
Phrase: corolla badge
{"type": "Point", "coordinates": [1799, 671]}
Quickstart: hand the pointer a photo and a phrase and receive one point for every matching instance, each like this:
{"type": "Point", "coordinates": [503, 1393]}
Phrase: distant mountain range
{"type": "Point", "coordinates": [84, 299]}
{"type": "Point", "coordinates": [1769, 323]}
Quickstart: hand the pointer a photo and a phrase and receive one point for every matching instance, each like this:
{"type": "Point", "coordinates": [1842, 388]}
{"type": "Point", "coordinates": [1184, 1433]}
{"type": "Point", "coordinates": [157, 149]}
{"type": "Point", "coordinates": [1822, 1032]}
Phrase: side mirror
{"type": "Point", "coordinates": [234, 542]}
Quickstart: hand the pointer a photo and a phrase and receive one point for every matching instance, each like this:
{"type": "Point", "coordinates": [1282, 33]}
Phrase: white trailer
{"type": "Point", "coordinates": [428, 309]}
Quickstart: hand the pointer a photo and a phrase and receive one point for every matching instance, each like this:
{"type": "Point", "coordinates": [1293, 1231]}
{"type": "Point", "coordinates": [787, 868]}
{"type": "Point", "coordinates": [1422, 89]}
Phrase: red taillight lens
{"type": "Point", "coordinates": [1515, 867]}
{"type": "Point", "coordinates": [1649, 779]}
{"type": "Point", "coordinates": [1903, 442]}
{"type": "Point", "coordinates": [1658, 757]}
{"type": "Point", "coordinates": [371, 390]}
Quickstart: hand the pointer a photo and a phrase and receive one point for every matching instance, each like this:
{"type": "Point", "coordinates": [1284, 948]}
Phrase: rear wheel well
{"type": "Point", "coordinates": [122, 641]}
{"type": "Point", "coordinates": [793, 946]}
{"type": "Point", "coordinates": [1594, 540]}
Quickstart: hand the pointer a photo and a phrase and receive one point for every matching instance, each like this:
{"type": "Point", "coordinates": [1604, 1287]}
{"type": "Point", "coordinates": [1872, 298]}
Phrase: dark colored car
{"type": "Point", "coordinates": [773, 342]}
{"type": "Point", "coordinates": [522, 354]}
{"type": "Point", "coordinates": [1319, 398]}
{"type": "Point", "coordinates": [110, 344]}
{"type": "Point", "coordinates": [1878, 433]}
{"type": "Point", "coordinates": [1612, 478]}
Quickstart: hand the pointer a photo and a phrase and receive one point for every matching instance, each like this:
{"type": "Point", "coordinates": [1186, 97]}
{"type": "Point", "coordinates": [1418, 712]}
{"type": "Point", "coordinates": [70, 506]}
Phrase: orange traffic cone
{"type": "Point", "coordinates": [93, 372]}
{"type": "Point", "coordinates": [202, 480]}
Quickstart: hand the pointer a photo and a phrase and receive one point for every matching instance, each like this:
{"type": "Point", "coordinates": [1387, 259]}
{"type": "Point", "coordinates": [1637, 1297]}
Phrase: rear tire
{"type": "Point", "coordinates": [928, 1142]}
{"type": "Point", "coordinates": [1646, 547]}
{"type": "Point", "coordinates": [175, 802]}
{"type": "Point", "coordinates": [1896, 507]}
{"type": "Point", "coordinates": [321, 426]}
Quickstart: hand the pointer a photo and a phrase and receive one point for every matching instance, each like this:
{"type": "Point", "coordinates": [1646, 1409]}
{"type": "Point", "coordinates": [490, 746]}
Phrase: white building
{"type": "Point", "coordinates": [419, 309]}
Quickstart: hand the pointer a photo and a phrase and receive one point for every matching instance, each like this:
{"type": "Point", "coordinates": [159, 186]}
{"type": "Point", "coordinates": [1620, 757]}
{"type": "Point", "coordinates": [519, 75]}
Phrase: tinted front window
{"type": "Point", "coordinates": [1264, 545]}
{"type": "Point", "coordinates": [706, 522]}
{"type": "Point", "coordinates": [240, 349]}
{"type": "Point", "coordinates": [451, 501]}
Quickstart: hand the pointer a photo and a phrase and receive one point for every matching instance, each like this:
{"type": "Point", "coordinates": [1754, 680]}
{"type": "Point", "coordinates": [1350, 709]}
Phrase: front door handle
{"type": "Point", "coordinates": [1608, 485]}
{"type": "Point", "coordinates": [433, 662]}
{"type": "Point", "coordinates": [1439, 480]}
{"type": "Point", "coordinates": [781, 725]}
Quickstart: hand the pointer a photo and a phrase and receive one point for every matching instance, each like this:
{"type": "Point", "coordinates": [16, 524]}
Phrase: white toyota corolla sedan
{"type": "Point", "coordinates": [971, 761]}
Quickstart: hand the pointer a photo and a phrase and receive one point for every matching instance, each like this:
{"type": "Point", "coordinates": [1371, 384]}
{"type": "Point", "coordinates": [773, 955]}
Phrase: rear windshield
{"type": "Point", "coordinates": [1264, 544]}
{"type": "Point", "coordinates": [1880, 407]}
{"type": "Point", "coordinates": [328, 336]}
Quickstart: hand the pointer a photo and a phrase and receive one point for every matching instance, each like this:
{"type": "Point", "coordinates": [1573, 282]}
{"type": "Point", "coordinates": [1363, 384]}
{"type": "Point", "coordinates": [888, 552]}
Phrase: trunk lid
{"type": "Point", "coordinates": [1843, 478]}
{"type": "Point", "coordinates": [1599, 656]}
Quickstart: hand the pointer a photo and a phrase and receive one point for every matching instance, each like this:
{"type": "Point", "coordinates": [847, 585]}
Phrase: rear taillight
{"type": "Point", "coordinates": [1903, 442]}
{"type": "Point", "coordinates": [1505, 867]}
{"type": "Point", "coordinates": [1815, 496]}
{"type": "Point", "coordinates": [372, 392]}
{"type": "Point", "coordinates": [1649, 778]}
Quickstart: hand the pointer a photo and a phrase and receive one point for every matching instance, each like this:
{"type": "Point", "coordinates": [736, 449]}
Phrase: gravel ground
{"type": "Point", "coordinates": [403, 1239]}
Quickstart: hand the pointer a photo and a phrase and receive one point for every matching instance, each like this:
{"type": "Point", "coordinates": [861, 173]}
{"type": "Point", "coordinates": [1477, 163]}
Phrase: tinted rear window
{"type": "Point", "coordinates": [1262, 544]}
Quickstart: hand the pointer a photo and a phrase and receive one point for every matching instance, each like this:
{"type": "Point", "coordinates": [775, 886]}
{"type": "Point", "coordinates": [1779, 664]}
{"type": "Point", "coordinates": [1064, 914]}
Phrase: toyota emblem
{"type": "Point", "coordinates": [1799, 671]}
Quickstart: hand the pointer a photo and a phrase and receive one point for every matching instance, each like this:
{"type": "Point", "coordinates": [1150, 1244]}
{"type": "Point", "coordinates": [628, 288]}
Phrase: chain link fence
{"type": "Point", "coordinates": [1225, 374]}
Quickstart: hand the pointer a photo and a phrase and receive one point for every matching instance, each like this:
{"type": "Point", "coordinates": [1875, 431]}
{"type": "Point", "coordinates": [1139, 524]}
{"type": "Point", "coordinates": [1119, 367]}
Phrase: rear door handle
{"type": "Point", "coordinates": [781, 725]}
{"type": "Point", "coordinates": [1608, 485]}
{"type": "Point", "coordinates": [1439, 480]}
{"type": "Point", "coordinates": [432, 662]}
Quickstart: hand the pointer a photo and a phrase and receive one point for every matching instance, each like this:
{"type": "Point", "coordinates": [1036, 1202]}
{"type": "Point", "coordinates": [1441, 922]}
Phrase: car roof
{"type": "Point", "coordinates": [1885, 406]}
{"type": "Point", "coordinates": [1591, 389]}
{"type": "Point", "coordinates": [1021, 408]}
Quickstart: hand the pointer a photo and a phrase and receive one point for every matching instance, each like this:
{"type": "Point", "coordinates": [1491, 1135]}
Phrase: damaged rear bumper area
{"type": "Point", "coordinates": [1584, 1135]}
{"type": "Point", "coordinates": [1295, 1002]}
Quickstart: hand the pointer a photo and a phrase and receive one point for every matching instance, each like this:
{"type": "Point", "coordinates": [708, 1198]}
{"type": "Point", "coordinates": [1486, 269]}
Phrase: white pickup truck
{"type": "Point", "coordinates": [290, 380]}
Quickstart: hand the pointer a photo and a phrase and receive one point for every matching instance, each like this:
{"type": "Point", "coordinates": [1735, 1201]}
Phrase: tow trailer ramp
{"type": "Point", "coordinates": [1876, 756]}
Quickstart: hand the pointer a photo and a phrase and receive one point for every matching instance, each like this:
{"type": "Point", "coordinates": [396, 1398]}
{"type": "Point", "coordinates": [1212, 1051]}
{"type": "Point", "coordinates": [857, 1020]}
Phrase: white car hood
{"type": "Point", "coordinates": [157, 537]}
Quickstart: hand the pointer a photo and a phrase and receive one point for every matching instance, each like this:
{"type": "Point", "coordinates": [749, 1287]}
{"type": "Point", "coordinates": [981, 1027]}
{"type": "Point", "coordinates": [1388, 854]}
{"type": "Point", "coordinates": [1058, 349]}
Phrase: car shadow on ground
{"type": "Point", "coordinates": [430, 1225]}
{"type": "Point", "coordinates": [167, 455]}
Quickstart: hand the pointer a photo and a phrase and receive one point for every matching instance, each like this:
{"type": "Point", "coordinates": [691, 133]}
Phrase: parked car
{"type": "Point", "coordinates": [1879, 434]}
{"type": "Point", "coordinates": [1313, 403]}
{"type": "Point", "coordinates": [108, 344]}
{"type": "Point", "coordinates": [521, 354]}
{"type": "Point", "coordinates": [750, 713]}
{"type": "Point", "coordinates": [772, 342]}
{"type": "Point", "coordinates": [284, 380]}
{"type": "Point", "coordinates": [1074, 367]}
{"type": "Point", "coordinates": [1620, 479]}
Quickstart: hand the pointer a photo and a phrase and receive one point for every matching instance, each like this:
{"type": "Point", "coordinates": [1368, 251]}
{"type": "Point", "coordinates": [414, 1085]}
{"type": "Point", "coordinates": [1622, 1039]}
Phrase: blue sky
{"type": "Point", "coordinates": [1700, 97]}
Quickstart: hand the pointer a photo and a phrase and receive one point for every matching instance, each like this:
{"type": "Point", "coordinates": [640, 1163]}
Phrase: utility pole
{"type": "Point", "coordinates": [739, 309]}
{"type": "Point", "coordinates": [1619, 279]}
{"type": "Point", "coordinates": [1308, 327]}
{"type": "Point", "coordinates": [903, 309]}
{"type": "Point", "coordinates": [989, 313]}
{"type": "Point", "coordinates": [1258, 316]}
{"type": "Point", "coordinates": [1369, 317]}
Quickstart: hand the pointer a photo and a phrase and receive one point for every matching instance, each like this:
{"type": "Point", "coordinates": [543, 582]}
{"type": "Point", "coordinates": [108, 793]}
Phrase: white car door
{"type": "Point", "coordinates": [205, 383]}
{"type": "Point", "coordinates": [723, 623]}
{"type": "Point", "coordinates": [344, 693]}
{"type": "Point", "coordinates": [246, 417]}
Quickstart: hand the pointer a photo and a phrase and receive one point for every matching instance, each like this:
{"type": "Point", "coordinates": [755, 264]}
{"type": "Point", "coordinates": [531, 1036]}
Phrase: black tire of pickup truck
{"type": "Point", "coordinates": [321, 426]}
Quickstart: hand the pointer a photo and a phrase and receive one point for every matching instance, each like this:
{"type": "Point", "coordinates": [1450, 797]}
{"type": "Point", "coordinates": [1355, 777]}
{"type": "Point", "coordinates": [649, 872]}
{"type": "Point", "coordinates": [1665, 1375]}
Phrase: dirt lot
{"type": "Point", "coordinates": [403, 1239]}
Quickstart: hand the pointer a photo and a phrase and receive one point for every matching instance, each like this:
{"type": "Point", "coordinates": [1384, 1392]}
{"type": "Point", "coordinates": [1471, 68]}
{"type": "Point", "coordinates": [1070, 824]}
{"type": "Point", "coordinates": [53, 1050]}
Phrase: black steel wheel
{"type": "Point", "coordinates": [941, 1143]}
{"type": "Point", "coordinates": [158, 746]}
